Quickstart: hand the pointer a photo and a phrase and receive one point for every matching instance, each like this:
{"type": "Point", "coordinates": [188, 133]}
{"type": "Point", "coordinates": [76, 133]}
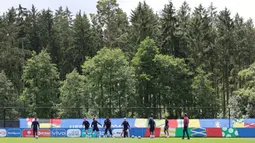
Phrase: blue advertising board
{"type": "Point", "coordinates": [77, 133]}
{"type": "Point", "coordinates": [137, 132]}
{"type": "Point", "coordinates": [246, 132]}
{"type": "Point", "coordinates": [58, 132]}
{"type": "Point", "coordinates": [13, 132]}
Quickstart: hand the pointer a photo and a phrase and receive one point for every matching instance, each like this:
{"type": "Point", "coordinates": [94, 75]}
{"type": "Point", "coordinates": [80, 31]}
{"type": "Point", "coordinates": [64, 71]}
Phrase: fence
{"type": "Point", "coordinates": [10, 116]}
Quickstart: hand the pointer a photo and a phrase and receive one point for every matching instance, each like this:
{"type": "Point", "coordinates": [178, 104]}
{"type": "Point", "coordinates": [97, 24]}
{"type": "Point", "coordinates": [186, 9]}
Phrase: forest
{"type": "Point", "coordinates": [59, 64]}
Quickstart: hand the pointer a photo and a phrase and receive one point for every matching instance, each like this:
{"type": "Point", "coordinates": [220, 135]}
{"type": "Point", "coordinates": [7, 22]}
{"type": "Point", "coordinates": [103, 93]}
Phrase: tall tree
{"type": "Point", "coordinates": [32, 29]}
{"type": "Point", "coordinates": [183, 16]}
{"type": "Point", "coordinates": [41, 86]}
{"type": "Point", "coordinates": [97, 40]}
{"type": "Point", "coordinates": [11, 57]}
{"type": "Point", "coordinates": [62, 25]}
{"type": "Point", "coordinates": [144, 23]}
{"type": "Point", "coordinates": [168, 30]}
{"type": "Point", "coordinates": [225, 43]}
{"type": "Point", "coordinates": [82, 44]}
{"type": "Point", "coordinates": [48, 38]}
{"type": "Point", "coordinates": [112, 19]}
{"type": "Point", "coordinates": [198, 36]}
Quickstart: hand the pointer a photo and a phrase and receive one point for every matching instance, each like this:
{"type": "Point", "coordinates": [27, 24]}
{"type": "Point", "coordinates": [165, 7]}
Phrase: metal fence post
{"type": "Point", "coordinates": [160, 114]}
{"type": "Point", "coordinates": [4, 117]}
{"type": "Point", "coordinates": [99, 112]}
{"type": "Point", "coordinates": [229, 116]}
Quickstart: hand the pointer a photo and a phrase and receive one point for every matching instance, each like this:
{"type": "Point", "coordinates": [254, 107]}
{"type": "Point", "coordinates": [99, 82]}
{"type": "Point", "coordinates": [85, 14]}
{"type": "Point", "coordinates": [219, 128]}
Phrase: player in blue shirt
{"type": "Point", "coordinates": [126, 126]}
{"type": "Point", "coordinates": [94, 126]}
{"type": "Point", "coordinates": [107, 126]}
{"type": "Point", "coordinates": [152, 126]}
{"type": "Point", "coordinates": [86, 124]}
{"type": "Point", "coordinates": [35, 126]}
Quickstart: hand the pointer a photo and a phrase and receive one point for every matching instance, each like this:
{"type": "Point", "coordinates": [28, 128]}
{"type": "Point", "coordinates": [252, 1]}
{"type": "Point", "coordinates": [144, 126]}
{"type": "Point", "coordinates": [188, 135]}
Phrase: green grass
{"type": "Point", "coordinates": [118, 140]}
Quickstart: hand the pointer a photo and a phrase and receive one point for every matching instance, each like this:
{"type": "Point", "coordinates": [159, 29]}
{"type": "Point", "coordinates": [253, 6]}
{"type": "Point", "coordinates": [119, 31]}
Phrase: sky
{"type": "Point", "coordinates": [245, 8]}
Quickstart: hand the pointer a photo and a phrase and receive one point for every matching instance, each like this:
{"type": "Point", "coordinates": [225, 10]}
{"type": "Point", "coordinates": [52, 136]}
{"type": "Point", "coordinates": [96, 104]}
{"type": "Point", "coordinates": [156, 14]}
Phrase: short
{"type": "Point", "coordinates": [95, 129]}
{"type": "Point", "coordinates": [86, 128]}
{"type": "Point", "coordinates": [35, 132]}
{"type": "Point", "coordinates": [166, 128]}
{"type": "Point", "coordinates": [108, 129]}
{"type": "Point", "coordinates": [125, 130]}
{"type": "Point", "coordinates": [152, 129]}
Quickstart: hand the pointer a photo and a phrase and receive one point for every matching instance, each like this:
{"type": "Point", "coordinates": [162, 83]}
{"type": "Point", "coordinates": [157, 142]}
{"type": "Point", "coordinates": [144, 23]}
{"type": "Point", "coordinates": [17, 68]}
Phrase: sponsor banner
{"type": "Point", "coordinates": [44, 133]}
{"type": "Point", "coordinates": [179, 123]}
{"type": "Point", "coordinates": [179, 132]}
{"type": "Point", "coordinates": [55, 123]}
{"type": "Point", "coordinates": [137, 132]}
{"type": "Point", "coordinates": [41, 133]}
{"type": "Point", "coordinates": [117, 132]}
{"type": "Point", "coordinates": [44, 123]}
{"type": "Point", "coordinates": [238, 123]}
{"type": "Point", "coordinates": [213, 132]}
{"type": "Point", "coordinates": [83, 132]}
{"type": "Point", "coordinates": [246, 132]}
{"type": "Point", "coordinates": [157, 132]}
{"type": "Point", "coordinates": [172, 123]}
{"type": "Point", "coordinates": [192, 123]}
{"type": "Point", "coordinates": [58, 133]}
{"type": "Point", "coordinates": [13, 132]}
{"type": "Point", "coordinates": [229, 132]}
{"type": "Point", "coordinates": [198, 132]}
{"type": "Point", "coordinates": [160, 123]}
{"type": "Point", "coordinates": [74, 133]}
{"type": "Point", "coordinates": [141, 123]}
{"type": "Point", "coordinates": [249, 123]}
{"type": "Point", "coordinates": [27, 133]}
{"type": "Point", "coordinates": [171, 132]}
{"type": "Point", "coordinates": [216, 123]}
{"type": "Point", "coordinates": [2, 133]}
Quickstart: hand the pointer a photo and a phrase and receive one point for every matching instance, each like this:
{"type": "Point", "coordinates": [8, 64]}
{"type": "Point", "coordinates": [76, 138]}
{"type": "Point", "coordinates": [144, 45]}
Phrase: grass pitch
{"type": "Point", "coordinates": [129, 140]}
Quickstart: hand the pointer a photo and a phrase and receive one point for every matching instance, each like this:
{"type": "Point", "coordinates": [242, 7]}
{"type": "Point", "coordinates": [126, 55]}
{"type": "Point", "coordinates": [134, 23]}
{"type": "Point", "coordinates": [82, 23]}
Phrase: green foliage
{"type": "Point", "coordinates": [145, 73]}
{"type": "Point", "coordinates": [8, 97]}
{"type": "Point", "coordinates": [109, 80]}
{"type": "Point", "coordinates": [204, 94]}
{"type": "Point", "coordinates": [245, 97]}
{"type": "Point", "coordinates": [41, 85]}
{"type": "Point", "coordinates": [144, 23]}
{"type": "Point", "coordinates": [168, 36]}
{"type": "Point", "coordinates": [81, 41]}
{"type": "Point", "coordinates": [73, 95]}
{"type": "Point", "coordinates": [113, 20]}
{"type": "Point", "coordinates": [170, 89]}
